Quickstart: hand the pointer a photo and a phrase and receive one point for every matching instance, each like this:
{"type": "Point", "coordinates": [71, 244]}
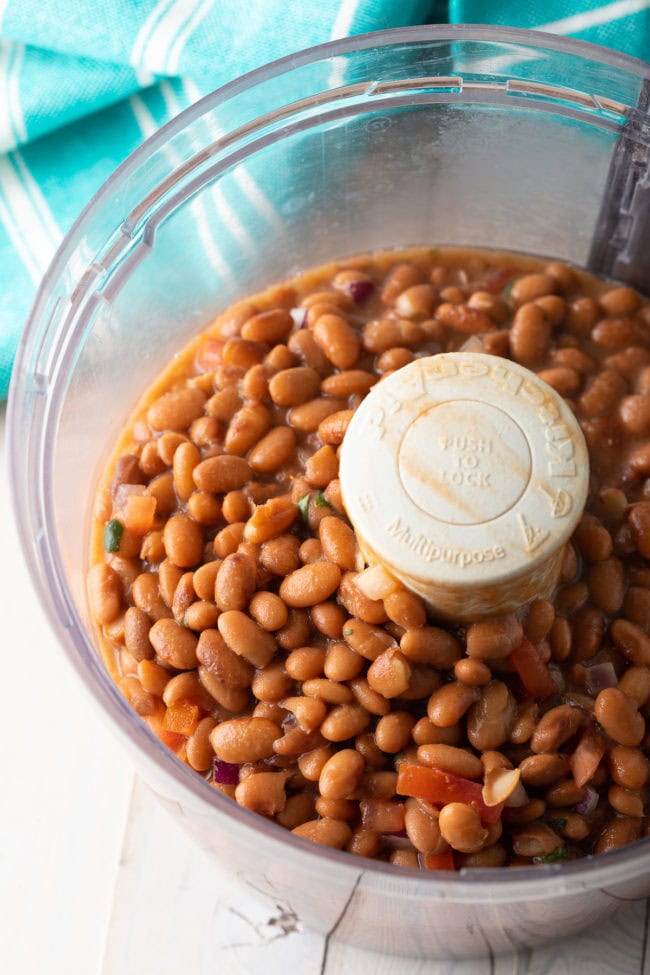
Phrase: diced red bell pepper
{"type": "Point", "coordinates": [533, 672]}
{"type": "Point", "coordinates": [438, 861]}
{"type": "Point", "coordinates": [439, 787]}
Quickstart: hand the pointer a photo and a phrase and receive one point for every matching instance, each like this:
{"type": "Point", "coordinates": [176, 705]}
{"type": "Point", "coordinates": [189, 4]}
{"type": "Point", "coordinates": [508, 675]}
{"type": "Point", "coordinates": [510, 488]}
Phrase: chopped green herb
{"type": "Point", "coordinates": [113, 531]}
{"type": "Point", "coordinates": [321, 500]}
{"type": "Point", "coordinates": [303, 507]}
{"type": "Point", "coordinates": [186, 624]}
{"type": "Point", "coordinates": [348, 632]}
{"type": "Point", "coordinates": [557, 824]}
{"type": "Point", "coordinates": [601, 727]}
{"type": "Point", "coordinates": [433, 251]}
{"type": "Point", "coordinates": [559, 853]}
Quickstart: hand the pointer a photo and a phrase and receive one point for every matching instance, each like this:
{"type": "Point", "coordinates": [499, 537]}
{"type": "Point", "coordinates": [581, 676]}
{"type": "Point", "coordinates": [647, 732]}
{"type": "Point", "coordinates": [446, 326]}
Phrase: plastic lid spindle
{"type": "Point", "coordinates": [464, 474]}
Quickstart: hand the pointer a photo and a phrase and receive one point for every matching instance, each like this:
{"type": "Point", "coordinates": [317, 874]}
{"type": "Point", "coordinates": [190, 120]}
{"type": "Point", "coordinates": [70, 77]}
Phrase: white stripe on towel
{"type": "Point", "coordinates": [595, 17]}
{"type": "Point", "coordinates": [185, 34]}
{"type": "Point", "coordinates": [23, 221]}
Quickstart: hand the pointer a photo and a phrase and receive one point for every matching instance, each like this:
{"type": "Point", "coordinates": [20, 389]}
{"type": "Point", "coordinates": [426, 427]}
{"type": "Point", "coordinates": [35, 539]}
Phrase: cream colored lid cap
{"type": "Point", "coordinates": [463, 472]}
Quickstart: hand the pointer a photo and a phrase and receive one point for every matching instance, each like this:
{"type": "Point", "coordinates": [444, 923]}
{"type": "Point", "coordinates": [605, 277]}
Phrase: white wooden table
{"type": "Point", "coordinates": [97, 879]}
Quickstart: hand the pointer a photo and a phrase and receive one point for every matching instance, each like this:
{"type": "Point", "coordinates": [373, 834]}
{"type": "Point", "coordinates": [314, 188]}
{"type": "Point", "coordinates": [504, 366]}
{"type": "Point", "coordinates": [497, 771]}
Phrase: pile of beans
{"type": "Point", "coordinates": [224, 567]}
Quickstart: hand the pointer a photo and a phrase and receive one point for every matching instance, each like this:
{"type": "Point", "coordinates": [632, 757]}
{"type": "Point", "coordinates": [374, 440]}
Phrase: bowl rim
{"type": "Point", "coordinates": [535, 881]}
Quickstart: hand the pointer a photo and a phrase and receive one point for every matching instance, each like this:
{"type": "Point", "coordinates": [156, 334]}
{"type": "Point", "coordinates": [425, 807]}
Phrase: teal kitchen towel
{"type": "Point", "coordinates": [82, 85]}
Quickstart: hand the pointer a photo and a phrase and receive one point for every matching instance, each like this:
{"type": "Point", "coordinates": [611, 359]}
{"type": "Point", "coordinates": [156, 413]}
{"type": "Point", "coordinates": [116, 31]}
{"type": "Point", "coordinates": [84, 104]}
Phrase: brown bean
{"type": "Point", "coordinates": [535, 840]}
{"type": "Point", "coordinates": [344, 384]}
{"type": "Point", "coordinates": [603, 394]}
{"type": "Point", "coordinates": [272, 683]}
{"type": "Point", "coordinates": [368, 641]}
{"type": "Point", "coordinates": [333, 428]}
{"type": "Point", "coordinates": [341, 774]}
{"type": "Point", "coordinates": [463, 318]}
{"type": "Point", "coordinates": [555, 728]}
{"type": "Point", "coordinates": [449, 703]}
{"type": "Point", "coordinates": [628, 767]}
{"type": "Point", "coordinates": [618, 832]}
{"type": "Point", "coordinates": [229, 539]}
{"type": "Point", "coordinates": [342, 663]}
{"type": "Point", "coordinates": [636, 606]}
{"type": "Point", "coordinates": [218, 475]}
{"type": "Point", "coordinates": [296, 631]}
{"type": "Point", "coordinates": [338, 542]}
{"type": "Point", "coordinates": [307, 416]}
{"type": "Point", "coordinates": [338, 340]}
{"type": "Point", "coordinates": [606, 581]}
{"type": "Point", "coordinates": [474, 673]}
{"type": "Point", "coordinates": [539, 620]}
{"type": "Point", "coordinates": [311, 584]}
{"type": "Point", "coordinates": [175, 410]}
{"type": "Point", "coordinates": [305, 663]}
{"type": "Point", "coordinates": [293, 386]}
{"type": "Point", "coordinates": [174, 644]}
{"type": "Point", "coordinates": [431, 645]}
{"type": "Point", "coordinates": [268, 610]}
{"type": "Point", "coordinates": [632, 641]}
{"type": "Point", "coordinates": [201, 615]}
{"type": "Point", "coordinates": [491, 717]}
{"type": "Point", "coordinates": [460, 761]}
{"type": "Point", "coordinates": [186, 457]}
{"type": "Point", "coordinates": [216, 656]}
{"type": "Point", "coordinates": [204, 508]}
{"type": "Point", "coordinates": [542, 770]}
{"type": "Point", "coordinates": [639, 522]}
{"type": "Point", "coordinates": [406, 609]}
{"type": "Point", "coordinates": [495, 638]}
{"type": "Point", "coordinates": [328, 832]}
{"type": "Point", "coordinates": [268, 327]}
{"type": "Point", "coordinates": [635, 683]}
{"type": "Point", "coordinates": [247, 427]}
{"type": "Point", "coordinates": [322, 467]}
{"type": "Point", "coordinates": [328, 618]}
{"type": "Point", "coordinates": [329, 691]}
{"type": "Point", "coordinates": [351, 597]}
{"type": "Point", "coordinates": [564, 380]}
{"type": "Point", "coordinates": [104, 593]}
{"type": "Point", "coordinates": [619, 716]}
{"type": "Point", "coordinates": [532, 286]}
{"type": "Point", "coordinates": [263, 793]}
{"type": "Point", "coordinates": [344, 721]}
{"type": "Point", "coordinates": [235, 582]}
{"type": "Point", "coordinates": [273, 450]}
{"type": "Point", "coordinates": [389, 673]}
{"type": "Point", "coordinates": [242, 740]}
{"type": "Point", "coordinates": [136, 634]}
{"type": "Point", "coordinates": [461, 827]}
{"type": "Point", "coordinates": [615, 333]}
{"type": "Point", "coordinates": [246, 638]}
{"type": "Point", "coordinates": [393, 731]}
{"type": "Point", "coordinates": [269, 521]}
{"type": "Point", "coordinates": [370, 699]}
{"type": "Point", "coordinates": [530, 334]}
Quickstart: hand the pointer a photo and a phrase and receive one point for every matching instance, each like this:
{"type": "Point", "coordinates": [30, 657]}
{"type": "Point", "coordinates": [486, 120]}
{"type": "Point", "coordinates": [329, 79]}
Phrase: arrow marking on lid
{"type": "Point", "coordinates": [533, 537]}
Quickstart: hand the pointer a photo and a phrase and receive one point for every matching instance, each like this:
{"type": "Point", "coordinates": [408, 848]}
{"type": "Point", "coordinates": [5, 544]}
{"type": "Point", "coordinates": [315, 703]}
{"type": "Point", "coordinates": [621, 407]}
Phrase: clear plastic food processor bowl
{"type": "Point", "coordinates": [466, 135]}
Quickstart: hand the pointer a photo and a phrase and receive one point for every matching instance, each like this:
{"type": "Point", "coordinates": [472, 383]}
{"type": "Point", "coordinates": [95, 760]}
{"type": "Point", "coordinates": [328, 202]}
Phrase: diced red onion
{"type": "Point", "coordinates": [473, 344]}
{"type": "Point", "coordinates": [299, 316]}
{"type": "Point", "coordinates": [376, 583]}
{"type": "Point", "coordinates": [588, 803]}
{"type": "Point", "coordinates": [359, 290]}
{"type": "Point", "coordinates": [600, 676]}
{"type": "Point", "coordinates": [225, 773]}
